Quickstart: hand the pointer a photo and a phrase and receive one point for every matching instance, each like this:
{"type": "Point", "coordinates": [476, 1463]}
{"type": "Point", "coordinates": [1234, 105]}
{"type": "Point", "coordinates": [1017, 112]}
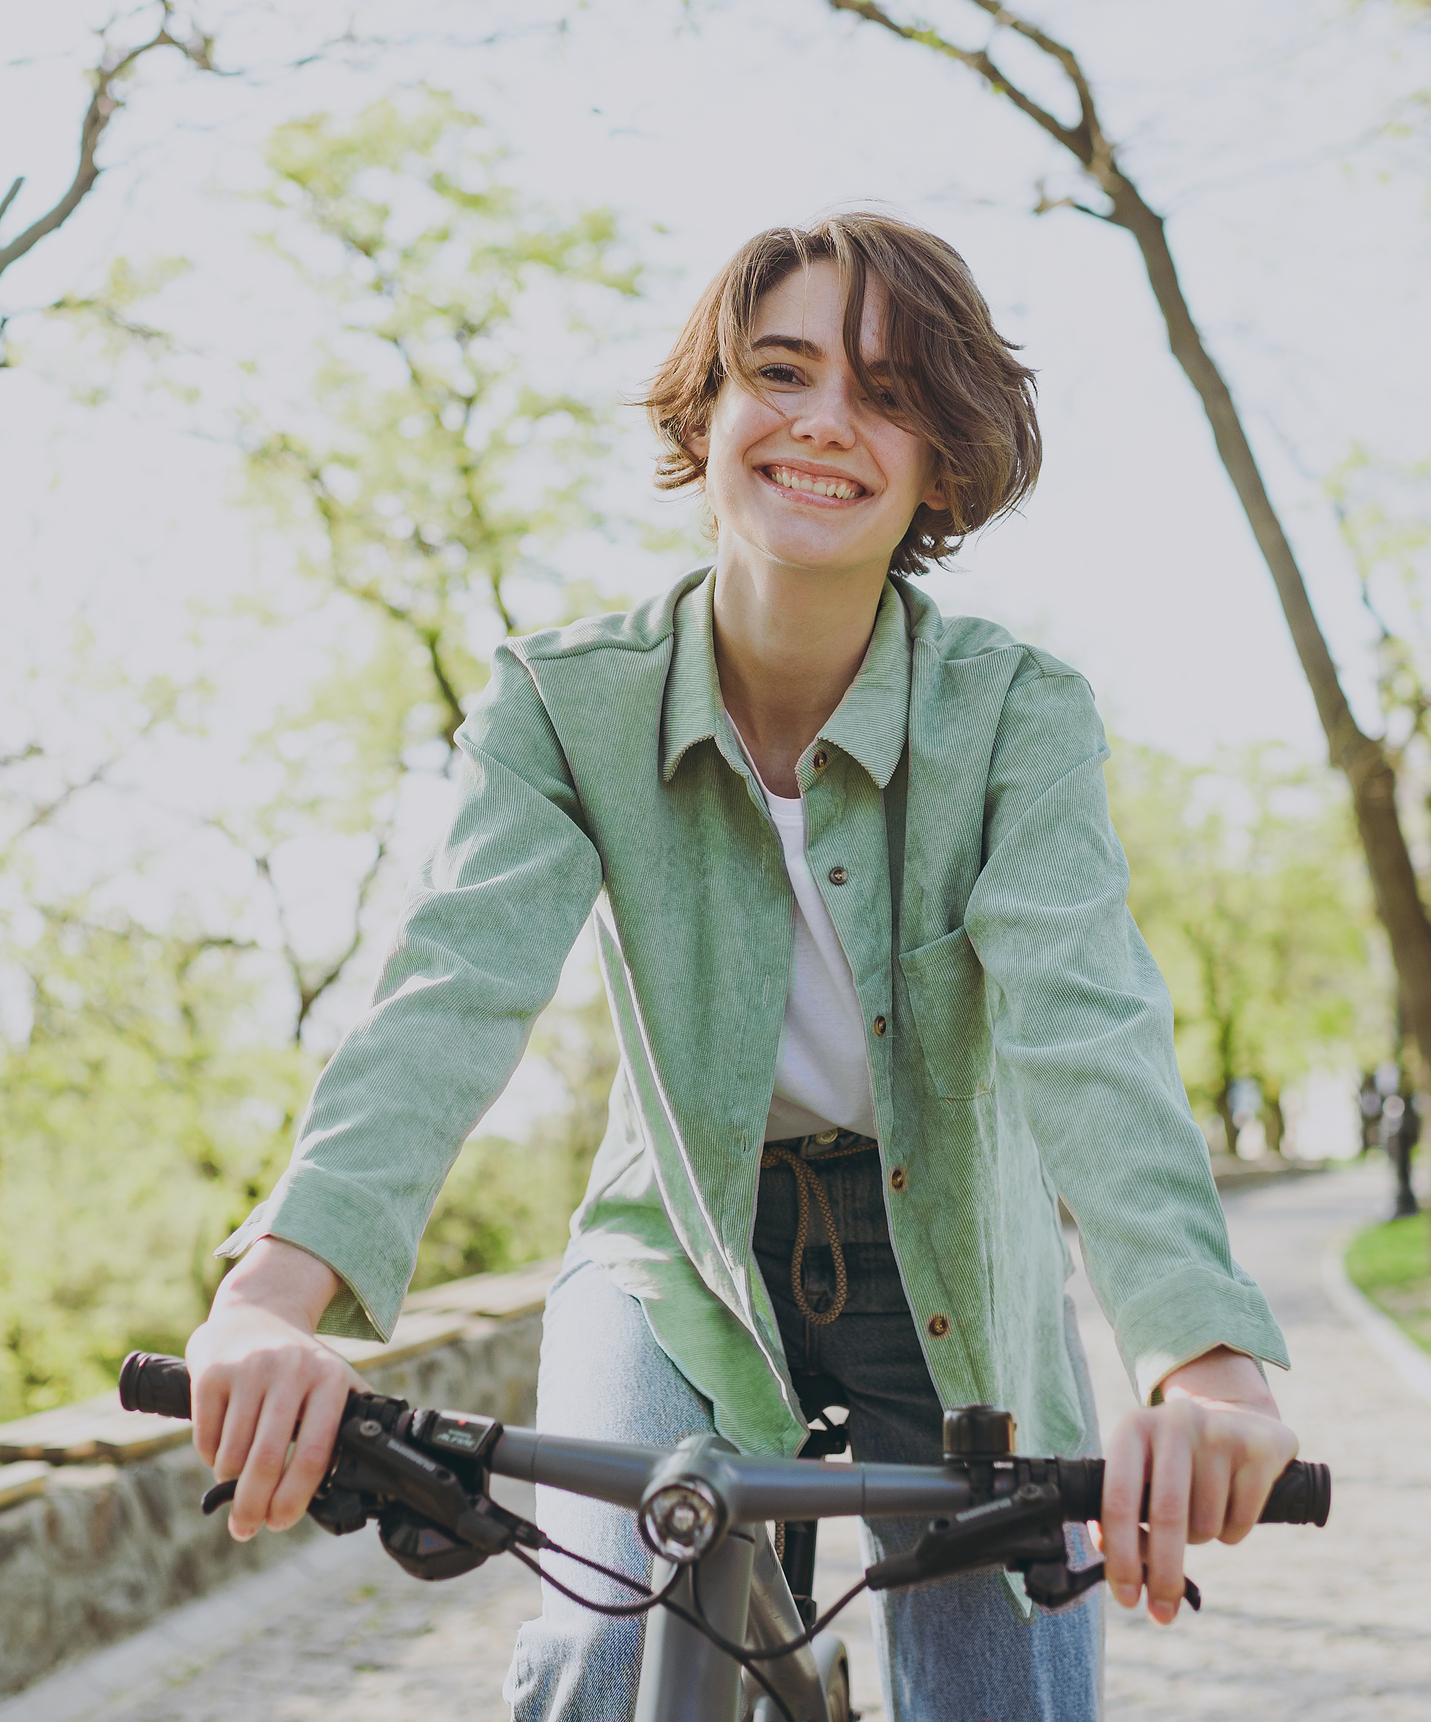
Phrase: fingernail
{"type": "Point", "coordinates": [1127, 1594]}
{"type": "Point", "coordinates": [241, 1536]}
{"type": "Point", "coordinates": [1163, 1612]}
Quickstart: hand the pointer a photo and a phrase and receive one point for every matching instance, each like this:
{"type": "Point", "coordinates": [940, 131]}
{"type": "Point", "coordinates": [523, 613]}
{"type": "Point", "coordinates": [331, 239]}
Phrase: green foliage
{"type": "Point", "coordinates": [1247, 885]}
{"type": "Point", "coordinates": [140, 1119]}
{"type": "Point", "coordinates": [1381, 509]}
{"type": "Point", "coordinates": [1385, 524]}
{"type": "Point", "coordinates": [1392, 1265]}
{"type": "Point", "coordinates": [150, 1096]}
{"type": "Point", "coordinates": [432, 465]}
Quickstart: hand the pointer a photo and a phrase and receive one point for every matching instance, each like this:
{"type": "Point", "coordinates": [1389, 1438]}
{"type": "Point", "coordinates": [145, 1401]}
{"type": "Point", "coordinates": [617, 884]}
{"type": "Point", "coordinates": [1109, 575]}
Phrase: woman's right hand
{"type": "Point", "coordinates": [260, 1380]}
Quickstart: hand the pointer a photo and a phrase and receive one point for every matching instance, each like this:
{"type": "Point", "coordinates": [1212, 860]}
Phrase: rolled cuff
{"type": "Point", "coordinates": [1188, 1314]}
{"type": "Point", "coordinates": [324, 1214]}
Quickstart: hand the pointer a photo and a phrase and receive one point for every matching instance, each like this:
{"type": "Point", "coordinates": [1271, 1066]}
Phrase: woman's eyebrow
{"type": "Point", "coordinates": [791, 344]}
{"type": "Point", "coordinates": [812, 350]}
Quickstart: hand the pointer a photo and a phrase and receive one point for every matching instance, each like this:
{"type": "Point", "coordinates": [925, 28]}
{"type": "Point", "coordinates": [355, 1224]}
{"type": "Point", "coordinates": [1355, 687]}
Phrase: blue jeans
{"type": "Point", "coordinates": [953, 1650]}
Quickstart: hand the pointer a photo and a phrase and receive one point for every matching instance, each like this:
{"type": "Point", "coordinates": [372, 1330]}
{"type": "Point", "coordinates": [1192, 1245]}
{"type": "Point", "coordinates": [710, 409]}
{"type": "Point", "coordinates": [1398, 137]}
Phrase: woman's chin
{"type": "Point", "coordinates": [817, 546]}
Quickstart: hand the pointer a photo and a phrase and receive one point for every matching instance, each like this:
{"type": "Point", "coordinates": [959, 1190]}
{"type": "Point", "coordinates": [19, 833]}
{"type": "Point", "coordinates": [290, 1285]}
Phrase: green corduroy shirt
{"type": "Point", "coordinates": [1019, 1033]}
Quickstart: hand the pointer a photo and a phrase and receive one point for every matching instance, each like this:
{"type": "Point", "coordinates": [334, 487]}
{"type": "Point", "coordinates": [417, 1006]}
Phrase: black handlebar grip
{"type": "Point", "coordinates": [1302, 1495]}
{"type": "Point", "coordinates": [156, 1384]}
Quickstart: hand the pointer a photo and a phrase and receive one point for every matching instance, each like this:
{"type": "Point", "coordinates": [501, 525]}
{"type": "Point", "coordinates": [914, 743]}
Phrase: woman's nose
{"type": "Point", "coordinates": [826, 418]}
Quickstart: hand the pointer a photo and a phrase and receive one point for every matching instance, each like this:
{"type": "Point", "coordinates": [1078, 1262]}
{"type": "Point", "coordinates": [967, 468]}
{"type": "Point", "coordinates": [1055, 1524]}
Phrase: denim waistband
{"type": "Point", "coordinates": [824, 1142]}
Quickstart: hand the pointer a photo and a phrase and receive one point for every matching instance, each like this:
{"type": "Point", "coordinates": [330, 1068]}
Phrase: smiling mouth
{"type": "Point", "coordinates": [791, 479]}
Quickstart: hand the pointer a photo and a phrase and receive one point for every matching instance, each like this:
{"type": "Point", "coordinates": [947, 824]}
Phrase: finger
{"type": "Point", "coordinates": [1169, 1494]}
{"type": "Point", "coordinates": [1250, 1484]}
{"type": "Point", "coordinates": [209, 1400]}
{"type": "Point", "coordinates": [1124, 1472]}
{"type": "Point", "coordinates": [242, 1406]}
{"type": "Point", "coordinates": [1211, 1488]}
{"type": "Point", "coordinates": [264, 1465]}
{"type": "Point", "coordinates": [312, 1452]}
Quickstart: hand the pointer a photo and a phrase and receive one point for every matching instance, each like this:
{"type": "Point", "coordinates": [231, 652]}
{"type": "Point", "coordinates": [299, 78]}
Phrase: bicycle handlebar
{"type": "Point", "coordinates": [754, 1489]}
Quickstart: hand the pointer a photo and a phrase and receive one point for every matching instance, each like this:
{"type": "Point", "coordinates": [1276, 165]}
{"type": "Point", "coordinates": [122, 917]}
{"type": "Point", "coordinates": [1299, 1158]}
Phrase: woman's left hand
{"type": "Point", "coordinates": [1210, 1454]}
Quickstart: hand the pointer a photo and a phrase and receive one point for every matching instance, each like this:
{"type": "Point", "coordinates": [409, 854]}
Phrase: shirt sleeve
{"type": "Point", "coordinates": [484, 930]}
{"type": "Point", "coordinates": [1083, 1035]}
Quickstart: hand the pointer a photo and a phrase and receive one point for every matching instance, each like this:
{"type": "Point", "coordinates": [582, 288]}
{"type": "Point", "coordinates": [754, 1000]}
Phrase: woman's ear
{"type": "Point", "coordinates": [937, 495]}
{"type": "Point", "coordinates": [698, 443]}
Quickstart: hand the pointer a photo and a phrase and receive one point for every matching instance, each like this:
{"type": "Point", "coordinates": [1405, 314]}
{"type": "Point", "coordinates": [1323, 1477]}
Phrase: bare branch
{"type": "Point", "coordinates": [311, 991]}
{"type": "Point", "coordinates": [308, 985]}
{"type": "Point", "coordinates": [1084, 140]}
{"type": "Point", "coordinates": [1047, 204]}
{"type": "Point", "coordinates": [12, 194]}
{"type": "Point", "coordinates": [46, 810]}
{"type": "Point", "coordinates": [103, 105]}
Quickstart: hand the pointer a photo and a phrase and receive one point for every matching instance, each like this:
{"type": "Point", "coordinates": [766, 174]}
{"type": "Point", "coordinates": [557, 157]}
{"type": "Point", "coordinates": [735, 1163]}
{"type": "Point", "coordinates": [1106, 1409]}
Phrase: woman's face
{"type": "Point", "coordinates": [816, 475]}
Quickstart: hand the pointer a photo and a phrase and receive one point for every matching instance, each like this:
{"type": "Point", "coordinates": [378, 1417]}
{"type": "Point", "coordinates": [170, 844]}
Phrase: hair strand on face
{"type": "Point", "coordinates": [955, 379]}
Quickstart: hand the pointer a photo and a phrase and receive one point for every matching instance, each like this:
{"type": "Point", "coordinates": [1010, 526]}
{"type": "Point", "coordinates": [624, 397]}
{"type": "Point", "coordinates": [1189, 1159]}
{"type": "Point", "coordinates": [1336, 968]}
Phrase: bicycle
{"type": "Point", "coordinates": [735, 1635]}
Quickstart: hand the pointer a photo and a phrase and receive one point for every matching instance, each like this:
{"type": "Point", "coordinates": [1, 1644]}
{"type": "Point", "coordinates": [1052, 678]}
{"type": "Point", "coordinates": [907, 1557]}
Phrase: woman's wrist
{"type": "Point", "coordinates": [1222, 1377]}
{"type": "Point", "coordinates": [282, 1279]}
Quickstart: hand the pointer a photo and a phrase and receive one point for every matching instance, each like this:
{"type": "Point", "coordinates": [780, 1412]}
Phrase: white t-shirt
{"type": "Point", "coordinates": [822, 1079]}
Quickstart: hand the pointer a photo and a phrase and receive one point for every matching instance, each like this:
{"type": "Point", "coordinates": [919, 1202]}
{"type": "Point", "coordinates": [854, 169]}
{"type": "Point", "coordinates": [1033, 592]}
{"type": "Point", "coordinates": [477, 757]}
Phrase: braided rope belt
{"type": "Point", "coordinates": [807, 1183]}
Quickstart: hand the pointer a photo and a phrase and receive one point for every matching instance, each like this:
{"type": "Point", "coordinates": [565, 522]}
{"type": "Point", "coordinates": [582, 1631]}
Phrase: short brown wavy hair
{"type": "Point", "coordinates": [954, 377]}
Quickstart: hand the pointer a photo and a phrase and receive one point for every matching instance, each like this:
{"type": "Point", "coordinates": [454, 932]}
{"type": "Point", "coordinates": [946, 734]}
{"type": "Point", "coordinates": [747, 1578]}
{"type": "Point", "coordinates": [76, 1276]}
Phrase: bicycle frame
{"type": "Point", "coordinates": [743, 1594]}
{"type": "Point", "coordinates": [741, 1589]}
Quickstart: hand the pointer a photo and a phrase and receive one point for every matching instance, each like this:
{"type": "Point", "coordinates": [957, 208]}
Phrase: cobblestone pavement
{"type": "Point", "coordinates": [1320, 1626]}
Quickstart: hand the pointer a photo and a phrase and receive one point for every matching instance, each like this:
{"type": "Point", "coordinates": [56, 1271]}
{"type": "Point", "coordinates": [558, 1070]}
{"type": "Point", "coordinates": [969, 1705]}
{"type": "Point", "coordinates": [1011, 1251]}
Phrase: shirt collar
{"type": "Point", "coordinates": [870, 723]}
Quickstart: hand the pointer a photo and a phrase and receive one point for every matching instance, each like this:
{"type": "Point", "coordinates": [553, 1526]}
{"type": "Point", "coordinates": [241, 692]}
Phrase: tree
{"type": "Point", "coordinates": [150, 1079]}
{"type": "Point", "coordinates": [1362, 759]}
{"type": "Point", "coordinates": [143, 1112]}
{"type": "Point", "coordinates": [427, 477]}
{"type": "Point", "coordinates": [1246, 885]}
{"type": "Point", "coordinates": [422, 469]}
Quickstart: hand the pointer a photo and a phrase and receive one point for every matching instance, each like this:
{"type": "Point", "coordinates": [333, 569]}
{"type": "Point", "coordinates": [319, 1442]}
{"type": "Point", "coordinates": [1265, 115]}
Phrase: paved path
{"type": "Point", "coordinates": [1301, 1625]}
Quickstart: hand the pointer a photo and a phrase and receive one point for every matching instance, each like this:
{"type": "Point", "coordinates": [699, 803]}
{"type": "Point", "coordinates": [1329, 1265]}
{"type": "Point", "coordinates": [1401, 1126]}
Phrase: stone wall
{"type": "Point", "coordinates": [100, 1528]}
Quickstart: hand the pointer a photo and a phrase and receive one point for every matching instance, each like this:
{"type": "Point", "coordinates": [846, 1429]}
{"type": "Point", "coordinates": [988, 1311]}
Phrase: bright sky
{"type": "Point", "coordinates": [1302, 236]}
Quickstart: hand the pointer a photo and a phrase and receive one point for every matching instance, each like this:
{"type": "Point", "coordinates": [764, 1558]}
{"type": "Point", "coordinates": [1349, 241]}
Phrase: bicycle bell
{"type": "Point", "coordinates": [975, 1432]}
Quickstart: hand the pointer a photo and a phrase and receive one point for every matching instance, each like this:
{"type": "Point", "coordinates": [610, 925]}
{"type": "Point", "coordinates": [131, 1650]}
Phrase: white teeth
{"type": "Point", "coordinates": [832, 487]}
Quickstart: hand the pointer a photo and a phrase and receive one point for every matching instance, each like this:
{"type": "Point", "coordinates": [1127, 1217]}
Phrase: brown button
{"type": "Point", "coordinates": [880, 1025]}
{"type": "Point", "coordinates": [898, 1178]}
{"type": "Point", "coordinates": [938, 1325]}
{"type": "Point", "coordinates": [821, 759]}
{"type": "Point", "coordinates": [838, 875]}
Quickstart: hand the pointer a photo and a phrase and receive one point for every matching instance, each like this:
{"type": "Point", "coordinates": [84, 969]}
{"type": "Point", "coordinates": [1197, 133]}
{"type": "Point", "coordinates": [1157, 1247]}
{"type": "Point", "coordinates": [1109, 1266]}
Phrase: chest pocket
{"type": "Point", "coordinates": [946, 996]}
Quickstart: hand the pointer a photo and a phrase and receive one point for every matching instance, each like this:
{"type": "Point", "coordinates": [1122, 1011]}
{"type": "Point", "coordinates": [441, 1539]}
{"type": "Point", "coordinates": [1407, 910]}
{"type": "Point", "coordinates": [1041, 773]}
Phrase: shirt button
{"type": "Point", "coordinates": [821, 759]}
{"type": "Point", "coordinates": [826, 1137]}
{"type": "Point", "coordinates": [838, 875]}
{"type": "Point", "coordinates": [898, 1178]}
{"type": "Point", "coordinates": [938, 1325]}
{"type": "Point", "coordinates": [879, 1025]}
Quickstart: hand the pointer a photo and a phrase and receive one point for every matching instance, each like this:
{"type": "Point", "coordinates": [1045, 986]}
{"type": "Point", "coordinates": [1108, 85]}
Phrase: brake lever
{"type": "Point", "coordinates": [1054, 1584]}
{"type": "Point", "coordinates": [214, 1498]}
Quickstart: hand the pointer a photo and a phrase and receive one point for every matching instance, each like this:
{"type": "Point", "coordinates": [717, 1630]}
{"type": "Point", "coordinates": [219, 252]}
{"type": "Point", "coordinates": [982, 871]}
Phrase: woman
{"type": "Point", "coordinates": [863, 924]}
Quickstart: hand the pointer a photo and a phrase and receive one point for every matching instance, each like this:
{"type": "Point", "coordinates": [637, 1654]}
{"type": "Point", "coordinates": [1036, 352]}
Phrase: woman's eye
{"type": "Point", "coordinates": [780, 374]}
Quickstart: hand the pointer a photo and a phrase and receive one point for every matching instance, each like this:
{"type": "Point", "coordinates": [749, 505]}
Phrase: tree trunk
{"type": "Point", "coordinates": [1223, 1106]}
{"type": "Point", "coordinates": [1274, 1120]}
{"type": "Point", "coordinates": [1360, 757]}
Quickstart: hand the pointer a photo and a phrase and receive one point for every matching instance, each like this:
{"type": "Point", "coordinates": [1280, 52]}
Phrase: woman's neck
{"type": "Point", "coordinates": [788, 643]}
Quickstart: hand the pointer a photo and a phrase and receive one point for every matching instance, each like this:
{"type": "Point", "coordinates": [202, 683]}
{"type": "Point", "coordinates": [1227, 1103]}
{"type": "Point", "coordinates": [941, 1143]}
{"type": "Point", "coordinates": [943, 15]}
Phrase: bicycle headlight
{"type": "Point", "coordinates": [682, 1520]}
